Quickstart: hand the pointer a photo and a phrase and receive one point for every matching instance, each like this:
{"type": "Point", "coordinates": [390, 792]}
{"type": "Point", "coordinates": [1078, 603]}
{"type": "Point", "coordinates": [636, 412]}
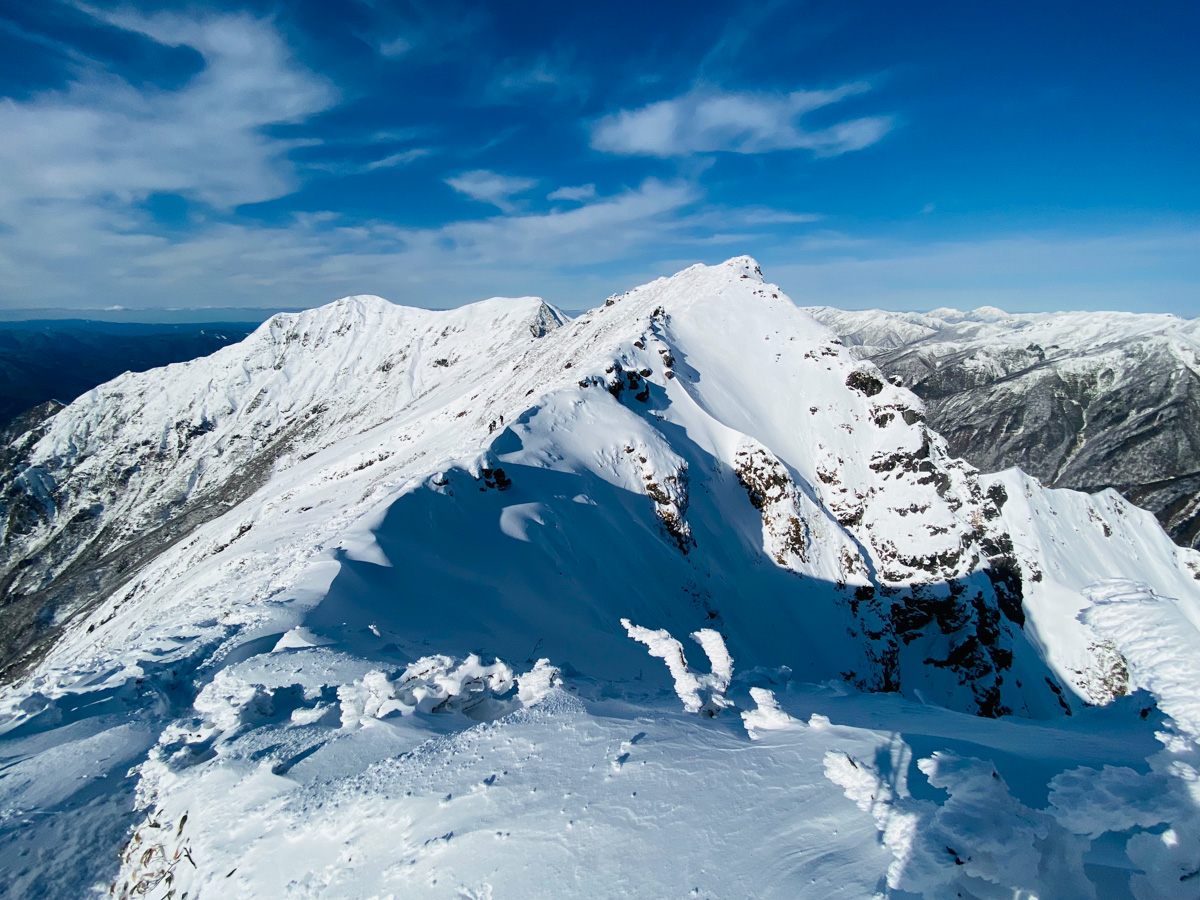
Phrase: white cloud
{"type": "Point", "coordinates": [491, 187]}
{"type": "Point", "coordinates": [429, 28]}
{"type": "Point", "coordinates": [705, 121]}
{"type": "Point", "coordinates": [394, 135]}
{"type": "Point", "coordinates": [403, 158]}
{"type": "Point", "coordinates": [79, 162]}
{"type": "Point", "coordinates": [396, 47]}
{"type": "Point", "coordinates": [342, 168]}
{"type": "Point", "coordinates": [103, 140]}
{"type": "Point", "coordinates": [763, 216]}
{"type": "Point", "coordinates": [552, 76]}
{"type": "Point", "coordinates": [93, 255]}
{"type": "Point", "coordinates": [578, 194]}
{"type": "Point", "coordinates": [595, 232]}
{"type": "Point", "coordinates": [317, 257]}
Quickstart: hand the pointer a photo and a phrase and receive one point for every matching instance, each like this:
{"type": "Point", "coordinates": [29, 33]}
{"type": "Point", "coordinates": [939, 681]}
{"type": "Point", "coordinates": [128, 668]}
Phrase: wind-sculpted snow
{"type": "Point", "coordinates": [1157, 637]}
{"type": "Point", "coordinates": [767, 715]}
{"type": "Point", "coordinates": [355, 599]}
{"type": "Point", "coordinates": [1080, 400]}
{"type": "Point", "coordinates": [1065, 542]}
{"type": "Point", "coordinates": [981, 842]}
{"type": "Point", "coordinates": [1107, 830]}
{"type": "Point", "coordinates": [688, 685]}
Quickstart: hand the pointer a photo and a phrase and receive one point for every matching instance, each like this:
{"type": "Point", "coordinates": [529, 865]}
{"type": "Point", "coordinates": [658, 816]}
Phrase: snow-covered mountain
{"type": "Point", "coordinates": [1082, 400]}
{"type": "Point", "coordinates": [387, 602]}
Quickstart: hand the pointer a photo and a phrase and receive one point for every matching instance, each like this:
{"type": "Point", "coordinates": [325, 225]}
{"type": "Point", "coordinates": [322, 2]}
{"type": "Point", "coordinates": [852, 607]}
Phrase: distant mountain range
{"type": "Point", "coordinates": [1083, 400]}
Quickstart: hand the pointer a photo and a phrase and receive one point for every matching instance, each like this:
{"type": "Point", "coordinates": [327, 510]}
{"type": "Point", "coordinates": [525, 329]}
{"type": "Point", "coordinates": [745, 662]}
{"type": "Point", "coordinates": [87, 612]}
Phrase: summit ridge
{"type": "Point", "coordinates": [373, 543]}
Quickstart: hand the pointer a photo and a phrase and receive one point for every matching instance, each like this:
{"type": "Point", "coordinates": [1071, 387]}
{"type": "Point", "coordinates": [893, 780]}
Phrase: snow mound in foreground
{"type": "Point", "coordinates": [590, 796]}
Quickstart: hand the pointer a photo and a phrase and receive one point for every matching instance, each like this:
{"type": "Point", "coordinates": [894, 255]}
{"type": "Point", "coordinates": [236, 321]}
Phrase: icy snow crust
{"type": "Point", "coordinates": [436, 647]}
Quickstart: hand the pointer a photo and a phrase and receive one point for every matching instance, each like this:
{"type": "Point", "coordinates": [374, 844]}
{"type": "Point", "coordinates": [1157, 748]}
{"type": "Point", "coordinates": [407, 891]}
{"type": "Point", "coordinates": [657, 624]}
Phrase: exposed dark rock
{"type": "Point", "coordinates": [864, 382]}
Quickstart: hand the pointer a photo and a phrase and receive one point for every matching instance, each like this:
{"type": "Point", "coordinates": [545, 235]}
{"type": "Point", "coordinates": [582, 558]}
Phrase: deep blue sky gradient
{"type": "Point", "coordinates": [1029, 156]}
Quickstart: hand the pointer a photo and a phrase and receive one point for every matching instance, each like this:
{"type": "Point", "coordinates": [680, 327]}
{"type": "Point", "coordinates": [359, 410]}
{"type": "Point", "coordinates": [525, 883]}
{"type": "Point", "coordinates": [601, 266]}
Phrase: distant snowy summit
{"type": "Point", "coordinates": [1084, 400]}
{"type": "Point", "coordinates": [367, 524]}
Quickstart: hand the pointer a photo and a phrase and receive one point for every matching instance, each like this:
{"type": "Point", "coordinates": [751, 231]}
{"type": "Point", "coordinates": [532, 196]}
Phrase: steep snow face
{"type": "Point", "coordinates": [379, 548]}
{"type": "Point", "coordinates": [1080, 400]}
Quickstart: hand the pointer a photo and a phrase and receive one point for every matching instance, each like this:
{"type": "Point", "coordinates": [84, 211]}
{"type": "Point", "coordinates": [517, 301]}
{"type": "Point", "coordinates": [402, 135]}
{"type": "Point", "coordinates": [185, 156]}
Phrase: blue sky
{"type": "Point", "coordinates": [900, 155]}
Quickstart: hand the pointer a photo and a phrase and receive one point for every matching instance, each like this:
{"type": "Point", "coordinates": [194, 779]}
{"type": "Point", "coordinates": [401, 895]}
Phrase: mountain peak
{"type": "Point", "coordinates": [356, 305]}
{"type": "Point", "coordinates": [737, 267]}
{"type": "Point", "coordinates": [365, 301]}
{"type": "Point", "coordinates": [745, 267]}
{"type": "Point", "coordinates": [988, 314]}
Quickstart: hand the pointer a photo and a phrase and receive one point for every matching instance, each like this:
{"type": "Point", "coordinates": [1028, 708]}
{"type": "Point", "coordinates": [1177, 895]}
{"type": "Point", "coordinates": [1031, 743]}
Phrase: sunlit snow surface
{"type": "Point", "coordinates": [399, 668]}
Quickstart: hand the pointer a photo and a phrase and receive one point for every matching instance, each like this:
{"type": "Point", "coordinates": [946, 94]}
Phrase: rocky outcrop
{"type": "Point", "coordinates": [1078, 400]}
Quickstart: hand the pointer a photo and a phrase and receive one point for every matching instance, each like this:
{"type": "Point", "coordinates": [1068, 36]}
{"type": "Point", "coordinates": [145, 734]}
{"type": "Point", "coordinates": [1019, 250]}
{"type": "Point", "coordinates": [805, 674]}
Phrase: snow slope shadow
{"type": "Point", "coordinates": [548, 564]}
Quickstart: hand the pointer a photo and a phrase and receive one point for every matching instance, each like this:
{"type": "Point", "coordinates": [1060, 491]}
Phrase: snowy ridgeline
{"type": "Point", "coordinates": [388, 603]}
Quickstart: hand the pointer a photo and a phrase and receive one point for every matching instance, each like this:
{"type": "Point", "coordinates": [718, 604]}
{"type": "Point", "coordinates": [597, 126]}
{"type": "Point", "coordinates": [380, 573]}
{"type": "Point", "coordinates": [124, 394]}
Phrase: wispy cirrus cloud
{"type": "Point", "coordinates": [594, 232]}
{"type": "Point", "coordinates": [577, 193]}
{"type": "Point", "coordinates": [491, 187]}
{"type": "Point", "coordinates": [79, 163]}
{"type": "Point", "coordinates": [552, 76]}
{"type": "Point", "coordinates": [395, 47]}
{"type": "Point", "coordinates": [126, 183]}
{"type": "Point", "coordinates": [342, 168]}
{"type": "Point", "coordinates": [315, 257]}
{"type": "Point", "coordinates": [707, 121]}
{"type": "Point", "coordinates": [403, 158]}
{"type": "Point", "coordinates": [84, 163]}
{"type": "Point", "coordinates": [422, 27]}
{"type": "Point", "coordinates": [102, 139]}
